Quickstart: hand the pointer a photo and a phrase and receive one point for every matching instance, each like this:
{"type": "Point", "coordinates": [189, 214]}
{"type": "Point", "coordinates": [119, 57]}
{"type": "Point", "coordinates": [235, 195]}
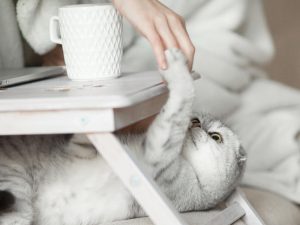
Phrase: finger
{"type": "Point", "coordinates": [185, 44]}
{"type": "Point", "coordinates": [158, 47]}
{"type": "Point", "coordinates": [162, 27]}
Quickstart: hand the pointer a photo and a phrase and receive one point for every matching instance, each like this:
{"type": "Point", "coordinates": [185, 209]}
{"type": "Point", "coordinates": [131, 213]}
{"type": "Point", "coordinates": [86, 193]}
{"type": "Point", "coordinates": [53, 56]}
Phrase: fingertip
{"type": "Point", "coordinates": [163, 65]}
{"type": "Point", "coordinates": [161, 58]}
{"type": "Point", "coordinates": [158, 48]}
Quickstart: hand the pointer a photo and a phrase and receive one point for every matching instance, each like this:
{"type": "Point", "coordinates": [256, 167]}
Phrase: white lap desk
{"type": "Point", "coordinates": [98, 108]}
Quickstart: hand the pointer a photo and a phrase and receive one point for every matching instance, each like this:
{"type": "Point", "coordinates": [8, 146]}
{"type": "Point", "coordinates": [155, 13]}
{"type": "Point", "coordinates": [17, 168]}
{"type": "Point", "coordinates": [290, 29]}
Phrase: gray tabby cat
{"type": "Point", "coordinates": [61, 180]}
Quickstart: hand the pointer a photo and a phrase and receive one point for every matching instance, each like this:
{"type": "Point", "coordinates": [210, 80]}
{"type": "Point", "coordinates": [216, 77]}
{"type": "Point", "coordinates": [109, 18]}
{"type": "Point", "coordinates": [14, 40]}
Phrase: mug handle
{"type": "Point", "coordinates": [54, 27]}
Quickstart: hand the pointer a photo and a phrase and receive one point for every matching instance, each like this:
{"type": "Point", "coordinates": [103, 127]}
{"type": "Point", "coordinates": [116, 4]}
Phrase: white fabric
{"type": "Point", "coordinates": [34, 16]}
{"type": "Point", "coordinates": [11, 51]}
{"type": "Point", "coordinates": [232, 43]}
{"type": "Point", "coordinates": [269, 126]}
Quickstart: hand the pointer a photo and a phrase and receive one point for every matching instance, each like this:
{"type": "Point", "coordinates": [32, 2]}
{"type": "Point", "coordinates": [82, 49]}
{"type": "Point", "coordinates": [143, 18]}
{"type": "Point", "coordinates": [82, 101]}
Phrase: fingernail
{"type": "Point", "coordinates": [164, 66]}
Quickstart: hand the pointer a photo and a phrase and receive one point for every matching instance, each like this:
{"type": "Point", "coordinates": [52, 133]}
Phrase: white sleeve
{"type": "Point", "coordinates": [33, 18]}
{"type": "Point", "coordinates": [232, 41]}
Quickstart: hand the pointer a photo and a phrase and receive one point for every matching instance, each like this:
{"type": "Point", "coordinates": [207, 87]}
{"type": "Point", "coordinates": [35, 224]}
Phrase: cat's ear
{"type": "Point", "coordinates": [80, 146]}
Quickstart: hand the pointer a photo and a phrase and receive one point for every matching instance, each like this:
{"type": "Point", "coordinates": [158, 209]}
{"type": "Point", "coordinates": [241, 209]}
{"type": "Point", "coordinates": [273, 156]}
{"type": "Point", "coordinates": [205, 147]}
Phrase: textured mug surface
{"type": "Point", "coordinates": [91, 36]}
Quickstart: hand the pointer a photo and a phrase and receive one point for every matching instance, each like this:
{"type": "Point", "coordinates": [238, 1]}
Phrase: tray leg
{"type": "Point", "coordinates": [251, 216]}
{"type": "Point", "coordinates": [142, 187]}
{"type": "Point", "coordinates": [228, 216]}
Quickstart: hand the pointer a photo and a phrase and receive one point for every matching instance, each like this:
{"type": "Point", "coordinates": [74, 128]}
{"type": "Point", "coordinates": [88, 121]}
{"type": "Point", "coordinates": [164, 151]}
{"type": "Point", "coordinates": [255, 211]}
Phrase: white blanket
{"type": "Point", "coordinates": [232, 43]}
{"type": "Point", "coordinates": [268, 123]}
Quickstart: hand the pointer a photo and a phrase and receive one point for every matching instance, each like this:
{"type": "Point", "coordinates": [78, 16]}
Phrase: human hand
{"type": "Point", "coordinates": [54, 58]}
{"type": "Point", "coordinates": [161, 26]}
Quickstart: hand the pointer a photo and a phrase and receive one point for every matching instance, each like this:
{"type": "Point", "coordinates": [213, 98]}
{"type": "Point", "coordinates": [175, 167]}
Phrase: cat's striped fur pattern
{"type": "Point", "coordinates": [55, 180]}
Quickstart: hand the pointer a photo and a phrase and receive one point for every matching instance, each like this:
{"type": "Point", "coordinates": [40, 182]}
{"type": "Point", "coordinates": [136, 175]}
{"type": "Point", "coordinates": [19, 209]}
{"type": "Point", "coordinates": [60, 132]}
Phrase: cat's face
{"type": "Point", "coordinates": [214, 152]}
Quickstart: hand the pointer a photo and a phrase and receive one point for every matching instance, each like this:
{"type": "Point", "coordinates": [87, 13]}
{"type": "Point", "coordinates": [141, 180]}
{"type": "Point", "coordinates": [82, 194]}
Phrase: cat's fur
{"type": "Point", "coordinates": [55, 180]}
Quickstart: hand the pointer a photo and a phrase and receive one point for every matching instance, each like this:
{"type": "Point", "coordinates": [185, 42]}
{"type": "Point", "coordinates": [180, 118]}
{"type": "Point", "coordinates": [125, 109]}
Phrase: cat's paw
{"type": "Point", "coordinates": [175, 55]}
{"type": "Point", "coordinates": [177, 70]}
{"type": "Point", "coordinates": [177, 76]}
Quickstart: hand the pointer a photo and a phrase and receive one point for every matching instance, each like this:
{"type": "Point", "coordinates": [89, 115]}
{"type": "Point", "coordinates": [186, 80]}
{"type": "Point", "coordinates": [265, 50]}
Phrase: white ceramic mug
{"type": "Point", "coordinates": [91, 36]}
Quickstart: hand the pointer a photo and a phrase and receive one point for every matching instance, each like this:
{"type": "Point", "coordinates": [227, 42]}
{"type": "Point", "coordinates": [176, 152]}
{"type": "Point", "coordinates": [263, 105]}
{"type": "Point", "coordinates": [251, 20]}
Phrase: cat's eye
{"type": "Point", "coordinates": [216, 136]}
{"type": "Point", "coordinates": [195, 122]}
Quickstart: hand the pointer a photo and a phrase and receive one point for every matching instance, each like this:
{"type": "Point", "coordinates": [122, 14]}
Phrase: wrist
{"type": "Point", "coordinates": [117, 3]}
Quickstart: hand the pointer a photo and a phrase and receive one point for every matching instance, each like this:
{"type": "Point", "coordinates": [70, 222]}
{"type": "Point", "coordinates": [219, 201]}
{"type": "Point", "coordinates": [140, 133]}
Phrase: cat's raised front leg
{"type": "Point", "coordinates": [164, 138]}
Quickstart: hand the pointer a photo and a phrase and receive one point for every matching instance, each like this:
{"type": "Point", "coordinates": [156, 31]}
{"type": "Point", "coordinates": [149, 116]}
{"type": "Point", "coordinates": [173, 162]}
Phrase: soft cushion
{"type": "Point", "coordinates": [274, 209]}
